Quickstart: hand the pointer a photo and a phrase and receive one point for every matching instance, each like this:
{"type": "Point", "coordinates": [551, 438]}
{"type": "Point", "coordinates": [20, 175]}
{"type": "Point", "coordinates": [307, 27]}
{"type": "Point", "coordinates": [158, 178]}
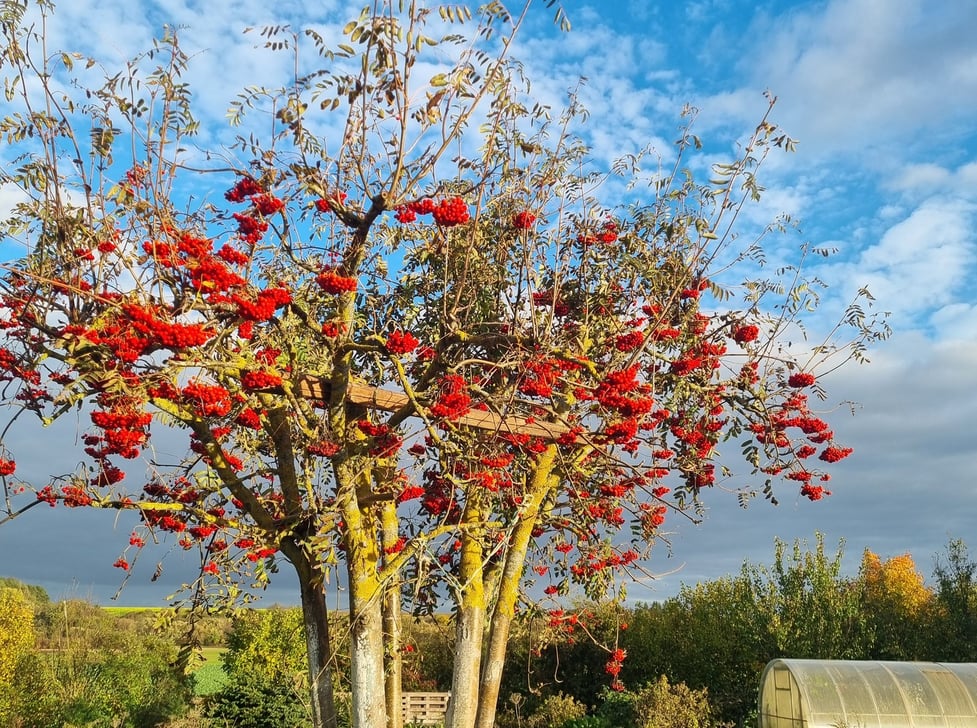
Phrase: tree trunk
{"type": "Point", "coordinates": [508, 589]}
{"type": "Point", "coordinates": [469, 626]}
{"type": "Point", "coordinates": [315, 618]}
{"type": "Point", "coordinates": [499, 626]}
{"type": "Point", "coordinates": [366, 652]}
{"type": "Point", "coordinates": [391, 625]}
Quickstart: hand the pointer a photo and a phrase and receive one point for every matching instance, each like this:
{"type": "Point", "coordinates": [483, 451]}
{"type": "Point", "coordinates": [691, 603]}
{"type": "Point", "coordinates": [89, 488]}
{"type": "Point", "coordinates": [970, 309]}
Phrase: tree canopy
{"type": "Point", "coordinates": [421, 348]}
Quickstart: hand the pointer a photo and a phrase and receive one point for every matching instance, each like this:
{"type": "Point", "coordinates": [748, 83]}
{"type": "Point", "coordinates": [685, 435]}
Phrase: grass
{"type": "Point", "coordinates": [211, 655]}
{"type": "Point", "coordinates": [209, 677]}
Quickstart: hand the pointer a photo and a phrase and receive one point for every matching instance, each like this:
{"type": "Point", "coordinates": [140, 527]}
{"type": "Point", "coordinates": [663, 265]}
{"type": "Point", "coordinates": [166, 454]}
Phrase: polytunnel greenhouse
{"type": "Point", "coordinates": [867, 694]}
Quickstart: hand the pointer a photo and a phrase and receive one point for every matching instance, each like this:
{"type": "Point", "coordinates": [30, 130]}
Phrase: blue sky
{"type": "Point", "coordinates": [882, 96]}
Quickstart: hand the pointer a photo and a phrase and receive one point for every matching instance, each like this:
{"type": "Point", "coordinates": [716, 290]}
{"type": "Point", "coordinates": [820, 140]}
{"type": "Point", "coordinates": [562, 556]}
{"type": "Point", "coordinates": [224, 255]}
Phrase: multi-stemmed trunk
{"type": "Point", "coordinates": [363, 552]}
{"type": "Point", "coordinates": [482, 636]}
{"type": "Point", "coordinates": [500, 624]}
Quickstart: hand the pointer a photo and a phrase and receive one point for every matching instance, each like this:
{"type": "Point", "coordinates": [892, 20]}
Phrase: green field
{"type": "Point", "coordinates": [119, 611]}
{"type": "Point", "coordinates": [209, 676]}
{"type": "Point", "coordinates": [211, 655]}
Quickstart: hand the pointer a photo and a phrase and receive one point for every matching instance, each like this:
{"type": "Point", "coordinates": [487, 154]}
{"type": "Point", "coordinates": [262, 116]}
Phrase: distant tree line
{"type": "Point", "coordinates": [72, 663]}
{"type": "Point", "coordinates": [718, 635]}
{"type": "Point", "coordinates": [696, 657]}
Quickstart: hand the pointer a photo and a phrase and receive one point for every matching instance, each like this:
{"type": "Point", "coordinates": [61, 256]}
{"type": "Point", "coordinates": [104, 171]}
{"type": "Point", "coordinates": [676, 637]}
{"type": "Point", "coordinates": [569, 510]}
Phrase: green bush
{"type": "Point", "coordinates": [617, 708]}
{"type": "Point", "coordinates": [130, 688]}
{"type": "Point", "coordinates": [660, 705]}
{"type": "Point", "coordinates": [16, 642]}
{"type": "Point", "coordinates": [556, 710]}
{"type": "Point", "coordinates": [588, 721]}
{"type": "Point", "coordinates": [260, 703]}
{"type": "Point", "coordinates": [266, 673]}
{"type": "Point", "coordinates": [95, 671]}
{"type": "Point", "coordinates": [266, 643]}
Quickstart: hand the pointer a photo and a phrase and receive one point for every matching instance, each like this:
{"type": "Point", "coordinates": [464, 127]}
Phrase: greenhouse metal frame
{"type": "Point", "coordinates": [867, 694]}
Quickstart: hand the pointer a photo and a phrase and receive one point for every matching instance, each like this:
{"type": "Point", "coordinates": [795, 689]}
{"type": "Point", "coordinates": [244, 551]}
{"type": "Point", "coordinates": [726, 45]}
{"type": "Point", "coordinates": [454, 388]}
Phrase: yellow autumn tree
{"type": "Point", "coordinates": [16, 640]}
{"type": "Point", "coordinates": [895, 597]}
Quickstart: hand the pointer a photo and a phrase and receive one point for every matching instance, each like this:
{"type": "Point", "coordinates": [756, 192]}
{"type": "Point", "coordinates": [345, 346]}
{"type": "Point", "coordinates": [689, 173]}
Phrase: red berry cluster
{"type": "Point", "coordinates": [230, 254]}
{"type": "Point", "coordinates": [331, 203]}
{"type": "Point", "coordinates": [408, 213]}
{"type": "Point", "coordinates": [405, 215]}
{"type": "Point", "coordinates": [74, 496]}
{"type": "Point", "coordinates": [613, 666]}
{"type": "Point", "coordinates": [334, 282]}
{"type": "Point", "coordinates": [248, 418]}
{"type": "Point", "coordinates": [262, 306]}
{"type": "Point", "coordinates": [125, 429]}
{"type": "Point", "coordinates": [606, 234]}
{"type": "Point", "coordinates": [266, 205]}
{"type": "Point", "coordinates": [794, 413]}
{"type": "Point", "coordinates": [437, 498]}
{"type": "Point", "coordinates": [629, 341]}
{"type": "Point", "coordinates": [145, 321]}
{"type": "Point", "coordinates": [745, 333]}
{"type": "Point", "coordinates": [243, 189]}
{"type": "Point", "coordinates": [523, 220]}
{"type": "Point", "coordinates": [252, 225]}
{"type": "Point", "coordinates": [450, 212]}
{"type": "Point", "coordinates": [396, 548]}
{"type": "Point", "coordinates": [401, 342]}
{"type": "Point", "coordinates": [833, 454]}
{"type": "Point", "coordinates": [324, 448]}
{"type": "Point", "coordinates": [332, 329]}
{"type": "Point", "coordinates": [540, 376]}
{"type": "Point", "coordinates": [260, 380]}
{"type": "Point", "coordinates": [11, 369]}
{"type": "Point", "coordinates": [208, 400]}
{"type": "Point", "coordinates": [249, 228]}
{"type": "Point", "coordinates": [799, 380]}
{"type": "Point", "coordinates": [453, 400]}
{"type": "Point", "coordinates": [410, 492]}
{"type": "Point", "coordinates": [550, 299]}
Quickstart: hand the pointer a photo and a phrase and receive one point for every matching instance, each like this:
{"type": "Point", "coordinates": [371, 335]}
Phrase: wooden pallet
{"type": "Point", "coordinates": [424, 708]}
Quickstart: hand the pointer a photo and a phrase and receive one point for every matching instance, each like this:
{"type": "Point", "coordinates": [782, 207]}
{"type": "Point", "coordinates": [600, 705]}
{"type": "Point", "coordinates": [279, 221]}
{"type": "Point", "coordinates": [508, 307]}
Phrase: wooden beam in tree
{"type": "Point", "coordinates": [316, 388]}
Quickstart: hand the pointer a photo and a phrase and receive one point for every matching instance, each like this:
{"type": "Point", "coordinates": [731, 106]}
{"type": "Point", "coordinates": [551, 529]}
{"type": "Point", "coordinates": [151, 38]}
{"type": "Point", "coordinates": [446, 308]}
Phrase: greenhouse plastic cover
{"type": "Point", "coordinates": [867, 694]}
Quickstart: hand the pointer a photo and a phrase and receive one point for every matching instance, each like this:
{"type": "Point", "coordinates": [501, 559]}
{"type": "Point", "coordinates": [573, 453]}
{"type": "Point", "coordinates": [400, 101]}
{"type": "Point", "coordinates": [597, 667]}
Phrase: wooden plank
{"type": "Point", "coordinates": [316, 388]}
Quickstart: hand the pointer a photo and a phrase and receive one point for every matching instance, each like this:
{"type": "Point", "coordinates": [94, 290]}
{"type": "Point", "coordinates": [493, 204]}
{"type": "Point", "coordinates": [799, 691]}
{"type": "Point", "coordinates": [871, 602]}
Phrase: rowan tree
{"type": "Point", "coordinates": [413, 343]}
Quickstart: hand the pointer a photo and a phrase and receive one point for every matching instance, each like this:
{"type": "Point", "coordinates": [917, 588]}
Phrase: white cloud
{"type": "Point", "coordinates": [956, 321]}
{"type": "Point", "coordinates": [923, 260]}
{"type": "Point", "coordinates": [928, 178]}
{"type": "Point", "coordinates": [858, 73]}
